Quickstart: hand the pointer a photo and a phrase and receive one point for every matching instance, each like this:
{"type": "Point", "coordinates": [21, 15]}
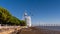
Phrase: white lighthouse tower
{"type": "Point", "coordinates": [27, 19]}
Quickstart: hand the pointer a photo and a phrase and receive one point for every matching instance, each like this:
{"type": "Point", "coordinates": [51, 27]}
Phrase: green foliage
{"type": "Point", "coordinates": [22, 23]}
{"type": "Point", "coordinates": [7, 18]}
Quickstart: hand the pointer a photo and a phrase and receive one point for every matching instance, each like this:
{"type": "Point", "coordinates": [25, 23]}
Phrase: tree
{"type": "Point", "coordinates": [7, 18]}
{"type": "Point", "coordinates": [23, 23]}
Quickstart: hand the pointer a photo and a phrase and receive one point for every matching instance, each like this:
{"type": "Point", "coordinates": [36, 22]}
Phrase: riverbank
{"type": "Point", "coordinates": [34, 30]}
{"type": "Point", "coordinates": [24, 30]}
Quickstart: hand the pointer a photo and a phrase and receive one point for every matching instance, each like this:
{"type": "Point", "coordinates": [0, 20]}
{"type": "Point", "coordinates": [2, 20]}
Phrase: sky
{"type": "Point", "coordinates": [41, 11]}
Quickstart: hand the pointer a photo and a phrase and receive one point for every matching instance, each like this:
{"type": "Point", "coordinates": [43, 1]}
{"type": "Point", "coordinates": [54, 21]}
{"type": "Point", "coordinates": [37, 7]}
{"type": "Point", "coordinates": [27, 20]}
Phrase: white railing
{"type": "Point", "coordinates": [49, 24]}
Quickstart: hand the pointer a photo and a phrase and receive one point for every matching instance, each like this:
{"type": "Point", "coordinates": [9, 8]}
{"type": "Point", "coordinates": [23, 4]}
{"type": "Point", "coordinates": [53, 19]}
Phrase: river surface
{"type": "Point", "coordinates": [56, 28]}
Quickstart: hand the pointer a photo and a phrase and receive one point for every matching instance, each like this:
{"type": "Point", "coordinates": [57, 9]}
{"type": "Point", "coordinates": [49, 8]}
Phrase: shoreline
{"type": "Point", "coordinates": [34, 30]}
{"type": "Point", "coordinates": [30, 30]}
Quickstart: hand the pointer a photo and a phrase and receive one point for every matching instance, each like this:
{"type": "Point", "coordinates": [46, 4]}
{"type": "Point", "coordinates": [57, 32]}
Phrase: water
{"type": "Point", "coordinates": [56, 28]}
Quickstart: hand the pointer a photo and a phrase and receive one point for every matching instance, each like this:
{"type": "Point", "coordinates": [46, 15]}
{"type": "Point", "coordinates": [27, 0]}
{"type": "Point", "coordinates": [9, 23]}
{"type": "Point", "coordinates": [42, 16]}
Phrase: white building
{"type": "Point", "coordinates": [27, 20]}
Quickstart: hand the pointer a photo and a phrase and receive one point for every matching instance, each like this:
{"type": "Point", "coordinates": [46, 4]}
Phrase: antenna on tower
{"type": "Point", "coordinates": [30, 12]}
{"type": "Point", "coordinates": [24, 14]}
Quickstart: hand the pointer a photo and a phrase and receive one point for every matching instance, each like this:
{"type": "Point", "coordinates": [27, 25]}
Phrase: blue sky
{"type": "Point", "coordinates": [43, 11]}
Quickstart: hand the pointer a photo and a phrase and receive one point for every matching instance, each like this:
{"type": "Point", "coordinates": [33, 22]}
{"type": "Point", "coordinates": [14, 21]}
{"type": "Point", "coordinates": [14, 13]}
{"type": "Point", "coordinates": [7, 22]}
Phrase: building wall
{"type": "Point", "coordinates": [28, 21]}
